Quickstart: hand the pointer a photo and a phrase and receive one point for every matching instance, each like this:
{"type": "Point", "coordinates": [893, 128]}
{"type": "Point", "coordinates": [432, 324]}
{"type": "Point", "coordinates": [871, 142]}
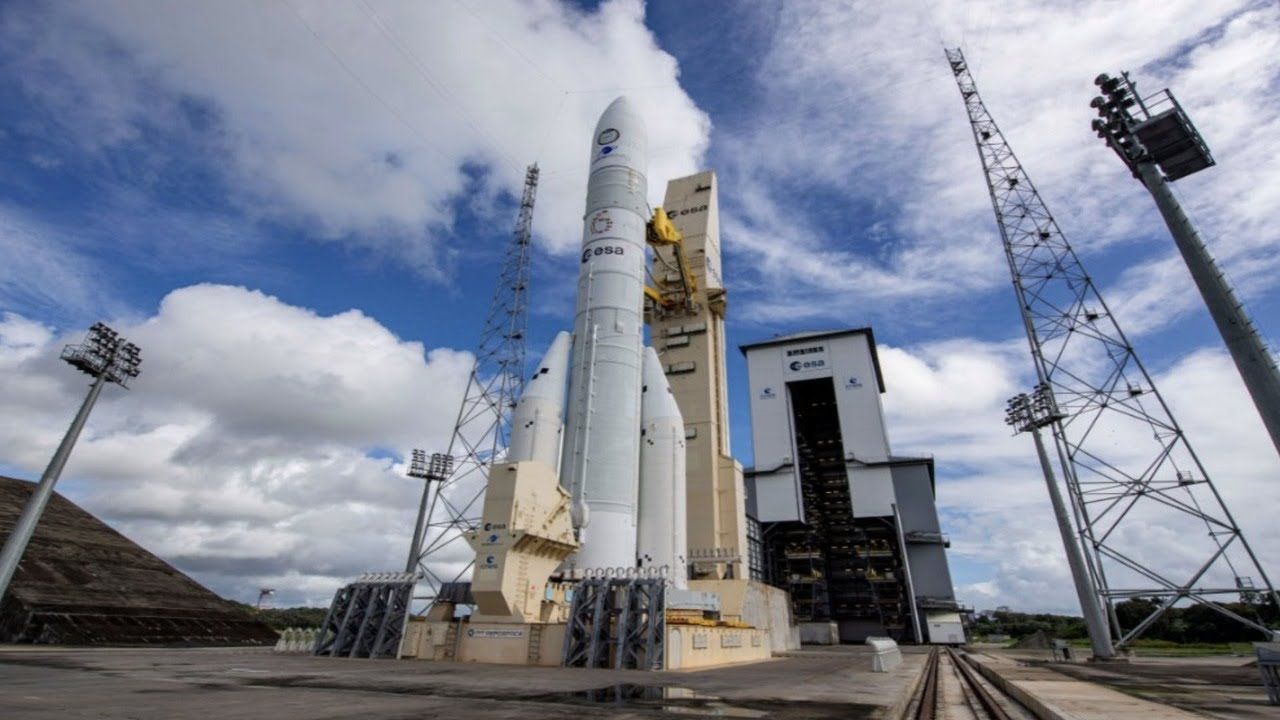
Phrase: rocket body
{"type": "Point", "coordinates": [601, 455]}
{"type": "Point", "coordinates": [663, 536]}
{"type": "Point", "coordinates": [536, 427]}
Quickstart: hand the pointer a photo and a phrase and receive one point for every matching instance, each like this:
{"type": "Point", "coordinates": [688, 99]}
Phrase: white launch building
{"type": "Point", "coordinates": [847, 527]}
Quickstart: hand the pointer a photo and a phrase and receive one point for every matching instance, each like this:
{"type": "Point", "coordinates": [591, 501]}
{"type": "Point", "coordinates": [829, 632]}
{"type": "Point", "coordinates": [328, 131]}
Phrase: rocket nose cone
{"type": "Point", "coordinates": [620, 104]}
{"type": "Point", "coordinates": [548, 380]}
{"type": "Point", "coordinates": [656, 400]}
{"type": "Point", "coordinates": [621, 114]}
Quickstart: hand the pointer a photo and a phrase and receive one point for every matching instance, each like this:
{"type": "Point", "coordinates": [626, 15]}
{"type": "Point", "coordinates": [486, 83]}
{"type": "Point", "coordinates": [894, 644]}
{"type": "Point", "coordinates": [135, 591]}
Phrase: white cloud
{"type": "Point", "coordinates": [242, 452]}
{"type": "Point", "coordinates": [369, 123]}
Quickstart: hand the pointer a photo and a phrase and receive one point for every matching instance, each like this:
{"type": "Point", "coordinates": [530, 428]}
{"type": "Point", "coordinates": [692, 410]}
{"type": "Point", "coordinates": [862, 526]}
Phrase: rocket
{"type": "Point", "coordinates": [621, 452]}
{"type": "Point", "coordinates": [600, 464]}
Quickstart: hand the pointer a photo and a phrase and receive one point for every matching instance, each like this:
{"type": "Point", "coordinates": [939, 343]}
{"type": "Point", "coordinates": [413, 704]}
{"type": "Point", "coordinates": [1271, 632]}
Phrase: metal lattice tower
{"type": "Point", "coordinates": [450, 500]}
{"type": "Point", "coordinates": [1150, 519]}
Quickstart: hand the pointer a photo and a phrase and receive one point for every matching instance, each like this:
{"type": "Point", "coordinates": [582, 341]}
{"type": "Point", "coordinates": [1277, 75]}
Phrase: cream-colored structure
{"type": "Point", "coordinates": [688, 334]}
{"type": "Point", "coordinates": [688, 646]}
{"type": "Point", "coordinates": [527, 533]}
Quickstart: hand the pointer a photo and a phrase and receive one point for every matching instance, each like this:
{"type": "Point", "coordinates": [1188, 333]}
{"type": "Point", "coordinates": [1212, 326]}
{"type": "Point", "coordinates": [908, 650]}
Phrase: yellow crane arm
{"type": "Point", "coordinates": [661, 231]}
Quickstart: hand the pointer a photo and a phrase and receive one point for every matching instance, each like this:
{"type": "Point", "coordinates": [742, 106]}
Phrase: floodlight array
{"type": "Point", "coordinates": [104, 353]}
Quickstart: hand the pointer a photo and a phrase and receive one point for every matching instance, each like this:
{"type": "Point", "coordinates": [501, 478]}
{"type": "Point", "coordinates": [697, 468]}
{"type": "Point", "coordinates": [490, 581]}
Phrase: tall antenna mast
{"type": "Point", "coordinates": [1132, 478]}
{"type": "Point", "coordinates": [455, 480]}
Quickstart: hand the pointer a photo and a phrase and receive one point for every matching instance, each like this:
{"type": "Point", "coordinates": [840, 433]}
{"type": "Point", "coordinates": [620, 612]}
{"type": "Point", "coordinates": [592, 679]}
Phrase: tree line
{"type": "Point", "coordinates": [1191, 624]}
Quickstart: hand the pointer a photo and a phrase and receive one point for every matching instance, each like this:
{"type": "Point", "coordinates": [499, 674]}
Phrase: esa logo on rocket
{"type": "Point", "coordinates": [600, 224]}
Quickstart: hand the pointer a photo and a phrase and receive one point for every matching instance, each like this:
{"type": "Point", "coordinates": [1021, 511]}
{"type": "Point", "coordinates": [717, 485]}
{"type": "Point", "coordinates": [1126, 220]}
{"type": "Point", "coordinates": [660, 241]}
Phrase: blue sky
{"type": "Point", "coordinates": [298, 209]}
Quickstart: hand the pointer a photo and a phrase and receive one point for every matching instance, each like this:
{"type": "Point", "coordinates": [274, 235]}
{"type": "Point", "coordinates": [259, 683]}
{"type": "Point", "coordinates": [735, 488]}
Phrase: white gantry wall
{"type": "Point", "coordinates": [848, 360]}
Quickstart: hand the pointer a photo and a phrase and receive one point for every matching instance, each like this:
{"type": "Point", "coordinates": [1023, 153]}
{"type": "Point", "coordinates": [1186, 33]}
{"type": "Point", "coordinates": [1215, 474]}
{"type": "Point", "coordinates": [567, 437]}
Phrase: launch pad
{"type": "Point", "coordinates": [613, 533]}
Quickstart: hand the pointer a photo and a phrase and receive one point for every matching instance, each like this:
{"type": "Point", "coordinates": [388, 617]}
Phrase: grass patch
{"type": "Point", "coordinates": [1168, 648]}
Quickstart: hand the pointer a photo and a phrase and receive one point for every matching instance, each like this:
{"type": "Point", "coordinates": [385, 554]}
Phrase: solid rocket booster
{"type": "Point", "coordinates": [663, 535]}
{"type": "Point", "coordinates": [536, 428]}
{"type": "Point", "coordinates": [601, 459]}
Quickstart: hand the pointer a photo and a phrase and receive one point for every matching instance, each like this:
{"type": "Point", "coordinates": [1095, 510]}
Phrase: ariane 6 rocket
{"type": "Point", "coordinates": [621, 455]}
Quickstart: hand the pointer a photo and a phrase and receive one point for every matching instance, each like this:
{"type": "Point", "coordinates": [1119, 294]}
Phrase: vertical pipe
{"type": "Point", "coordinates": [1099, 634]}
{"type": "Point", "coordinates": [1253, 361]}
{"type": "Point", "coordinates": [16, 545]}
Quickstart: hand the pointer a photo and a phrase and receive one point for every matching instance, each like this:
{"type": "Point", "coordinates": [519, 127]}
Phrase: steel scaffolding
{"type": "Point", "coordinates": [450, 499]}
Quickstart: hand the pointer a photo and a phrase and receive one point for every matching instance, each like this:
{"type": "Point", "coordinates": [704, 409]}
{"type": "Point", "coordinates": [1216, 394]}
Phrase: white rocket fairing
{"type": "Point", "coordinates": [536, 429]}
{"type": "Point", "coordinates": [663, 535]}
{"type": "Point", "coordinates": [601, 457]}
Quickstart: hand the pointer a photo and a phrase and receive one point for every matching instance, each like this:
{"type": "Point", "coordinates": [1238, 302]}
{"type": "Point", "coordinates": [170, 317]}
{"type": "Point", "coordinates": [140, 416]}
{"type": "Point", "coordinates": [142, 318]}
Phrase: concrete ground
{"type": "Point", "coordinates": [233, 683]}
{"type": "Point", "coordinates": [1222, 687]}
{"type": "Point", "coordinates": [1148, 688]}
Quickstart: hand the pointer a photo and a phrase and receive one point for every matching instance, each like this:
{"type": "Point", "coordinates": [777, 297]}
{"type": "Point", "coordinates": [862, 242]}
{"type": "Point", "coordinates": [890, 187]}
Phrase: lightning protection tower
{"type": "Point", "coordinates": [455, 481]}
{"type": "Point", "coordinates": [1158, 143]}
{"type": "Point", "coordinates": [1152, 524]}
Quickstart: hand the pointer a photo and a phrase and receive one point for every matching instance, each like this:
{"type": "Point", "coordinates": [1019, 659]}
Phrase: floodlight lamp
{"type": "Point", "coordinates": [1098, 102]}
{"type": "Point", "coordinates": [1018, 412]}
{"type": "Point", "coordinates": [418, 465]}
{"type": "Point", "coordinates": [440, 467]}
{"type": "Point", "coordinates": [1102, 79]}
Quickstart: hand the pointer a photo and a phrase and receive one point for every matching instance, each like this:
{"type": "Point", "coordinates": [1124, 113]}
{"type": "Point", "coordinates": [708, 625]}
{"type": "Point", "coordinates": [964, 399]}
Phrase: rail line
{"type": "Point", "coordinates": [934, 702]}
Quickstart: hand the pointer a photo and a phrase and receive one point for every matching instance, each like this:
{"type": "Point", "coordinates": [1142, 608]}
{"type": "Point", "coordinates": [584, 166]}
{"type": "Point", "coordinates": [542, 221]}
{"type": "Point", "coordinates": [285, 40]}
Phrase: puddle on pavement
{"type": "Point", "coordinates": [650, 700]}
{"type": "Point", "coordinates": [664, 698]}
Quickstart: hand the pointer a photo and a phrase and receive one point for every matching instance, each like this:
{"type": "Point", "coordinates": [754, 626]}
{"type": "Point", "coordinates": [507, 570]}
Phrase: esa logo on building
{"type": "Point", "coordinates": [490, 561]}
{"type": "Point", "coordinates": [798, 365]}
{"type": "Point", "coordinates": [853, 382]}
{"type": "Point", "coordinates": [768, 394]}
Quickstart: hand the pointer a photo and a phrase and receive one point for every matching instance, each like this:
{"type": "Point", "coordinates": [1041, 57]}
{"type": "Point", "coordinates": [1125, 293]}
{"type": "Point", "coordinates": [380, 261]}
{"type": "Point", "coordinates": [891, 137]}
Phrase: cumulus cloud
{"type": "Point", "coordinates": [373, 123]}
{"type": "Point", "coordinates": [255, 448]}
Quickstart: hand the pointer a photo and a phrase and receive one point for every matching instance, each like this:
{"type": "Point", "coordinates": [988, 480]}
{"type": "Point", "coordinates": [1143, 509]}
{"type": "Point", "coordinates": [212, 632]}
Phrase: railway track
{"type": "Point", "coordinates": [953, 690]}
